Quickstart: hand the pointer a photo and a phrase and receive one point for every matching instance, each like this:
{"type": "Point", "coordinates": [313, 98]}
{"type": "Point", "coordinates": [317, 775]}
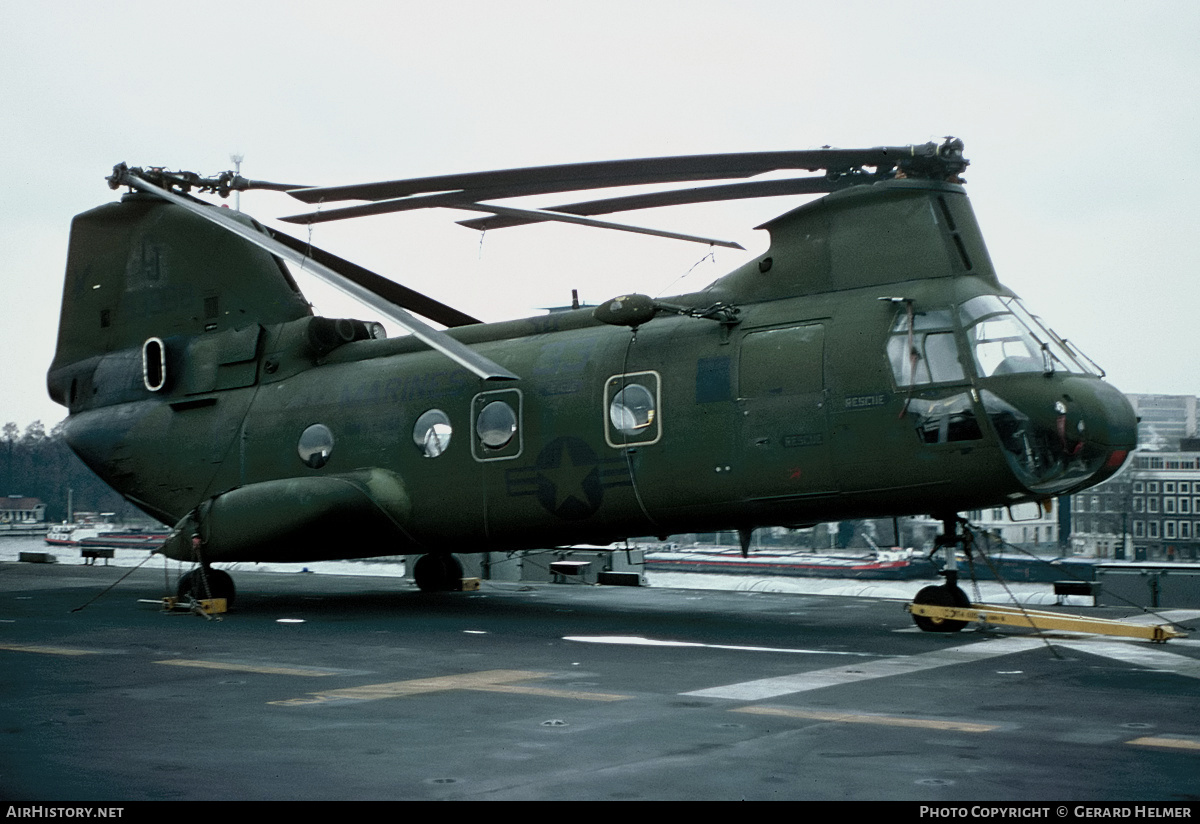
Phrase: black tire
{"type": "Point", "coordinates": [219, 585]}
{"type": "Point", "coordinates": [940, 596]}
{"type": "Point", "coordinates": [438, 572]}
{"type": "Point", "coordinates": [183, 590]}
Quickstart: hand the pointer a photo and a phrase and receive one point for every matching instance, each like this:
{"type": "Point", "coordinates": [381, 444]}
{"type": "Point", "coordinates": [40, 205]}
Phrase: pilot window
{"type": "Point", "coordinates": [924, 350]}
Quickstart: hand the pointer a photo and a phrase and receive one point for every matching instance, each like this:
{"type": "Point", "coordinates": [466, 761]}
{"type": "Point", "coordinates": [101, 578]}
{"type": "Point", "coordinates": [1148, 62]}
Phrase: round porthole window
{"type": "Point", "coordinates": [496, 425]}
{"type": "Point", "coordinates": [316, 445]}
{"type": "Point", "coordinates": [432, 433]}
{"type": "Point", "coordinates": [632, 409]}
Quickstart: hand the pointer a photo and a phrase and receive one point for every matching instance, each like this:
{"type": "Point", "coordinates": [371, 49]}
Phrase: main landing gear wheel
{"type": "Point", "coordinates": [944, 595]}
{"type": "Point", "coordinates": [207, 583]}
{"type": "Point", "coordinates": [438, 572]}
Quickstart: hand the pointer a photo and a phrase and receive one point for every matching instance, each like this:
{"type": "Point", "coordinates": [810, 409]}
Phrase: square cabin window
{"type": "Point", "coordinates": [632, 405]}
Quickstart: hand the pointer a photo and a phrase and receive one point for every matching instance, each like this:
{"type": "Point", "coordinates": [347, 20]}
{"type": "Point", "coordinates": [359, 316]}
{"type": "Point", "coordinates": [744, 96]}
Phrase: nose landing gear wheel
{"type": "Point", "coordinates": [207, 583]}
{"type": "Point", "coordinates": [438, 572]}
{"type": "Point", "coordinates": [945, 595]}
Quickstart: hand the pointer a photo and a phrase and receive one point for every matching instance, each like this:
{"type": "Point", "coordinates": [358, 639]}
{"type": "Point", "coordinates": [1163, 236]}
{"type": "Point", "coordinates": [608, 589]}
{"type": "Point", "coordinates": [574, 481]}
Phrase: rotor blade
{"type": "Point", "coordinates": [610, 173]}
{"type": "Point", "coordinates": [241, 184]}
{"type": "Point", "coordinates": [928, 160]}
{"type": "Point", "coordinates": [386, 288]}
{"type": "Point", "coordinates": [534, 216]}
{"type": "Point", "coordinates": [389, 206]}
{"type": "Point", "coordinates": [453, 349]}
{"type": "Point", "coordinates": [678, 197]}
{"type": "Point", "coordinates": [461, 199]}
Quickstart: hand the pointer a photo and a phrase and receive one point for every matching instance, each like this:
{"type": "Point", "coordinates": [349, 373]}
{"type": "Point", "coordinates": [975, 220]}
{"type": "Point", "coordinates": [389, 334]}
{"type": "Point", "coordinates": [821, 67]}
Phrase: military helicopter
{"type": "Point", "coordinates": [868, 364]}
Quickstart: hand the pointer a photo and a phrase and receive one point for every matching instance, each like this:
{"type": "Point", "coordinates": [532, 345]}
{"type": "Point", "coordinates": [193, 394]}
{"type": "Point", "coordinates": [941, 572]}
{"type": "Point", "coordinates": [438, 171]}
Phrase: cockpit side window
{"type": "Point", "coordinates": [924, 350]}
{"type": "Point", "coordinates": [945, 420]}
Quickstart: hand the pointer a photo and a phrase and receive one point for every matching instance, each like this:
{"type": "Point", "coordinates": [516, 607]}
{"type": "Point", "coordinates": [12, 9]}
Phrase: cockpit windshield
{"type": "Point", "coordinates": [1006, 339]}
{"type": "Point", "coordinates": [1051, 439]}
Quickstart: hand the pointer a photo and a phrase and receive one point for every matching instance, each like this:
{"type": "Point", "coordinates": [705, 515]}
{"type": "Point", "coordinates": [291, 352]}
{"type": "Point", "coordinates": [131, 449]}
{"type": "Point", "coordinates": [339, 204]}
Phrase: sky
{"type": "Point", "coordinates": [1081, 121]}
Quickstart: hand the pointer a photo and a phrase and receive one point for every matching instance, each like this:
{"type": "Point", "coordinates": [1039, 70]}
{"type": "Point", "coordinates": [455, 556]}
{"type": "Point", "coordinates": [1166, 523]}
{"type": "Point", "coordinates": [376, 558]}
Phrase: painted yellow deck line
{"type": "Point", "coordinates": [47, 650]}
{"type": "Point", "coordinates": [853, 718]}
{"type": "Point", "coordinates": [399, 689]}
{"type": "Point", "coordinates": [1173, 743]}
{"type": "Point", "coordinates": [552, 693]}
{"type": "Point", "coordinates": [260, 668]}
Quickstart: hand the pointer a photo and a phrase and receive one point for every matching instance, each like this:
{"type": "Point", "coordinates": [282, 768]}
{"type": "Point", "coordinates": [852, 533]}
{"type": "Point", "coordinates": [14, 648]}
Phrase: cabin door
{"type": "Point", "coordinates": [784, 445]}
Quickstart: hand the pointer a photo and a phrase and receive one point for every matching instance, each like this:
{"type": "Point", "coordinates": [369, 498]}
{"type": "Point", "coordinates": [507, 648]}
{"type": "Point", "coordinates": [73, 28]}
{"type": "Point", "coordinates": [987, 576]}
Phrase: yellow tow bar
{"type": "Point", "coordinates": [206, 607]}
{"type": "Point", "coordinates": [1040, 620]}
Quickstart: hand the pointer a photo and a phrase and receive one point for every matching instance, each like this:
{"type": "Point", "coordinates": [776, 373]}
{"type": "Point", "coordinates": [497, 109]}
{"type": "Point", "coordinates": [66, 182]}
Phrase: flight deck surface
{"type": "Point", "coordinates": [340, 687]}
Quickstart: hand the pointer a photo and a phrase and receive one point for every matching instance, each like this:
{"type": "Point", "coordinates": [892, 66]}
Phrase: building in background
{"type": "Point", "coordinates": [20, 515]}
{"type": "Point", "coordinates": [1150, 511]}
{"type": "Point", "coordinates": [1029, 527]}
{"type": "Point", "coordinates": [1164, 421]}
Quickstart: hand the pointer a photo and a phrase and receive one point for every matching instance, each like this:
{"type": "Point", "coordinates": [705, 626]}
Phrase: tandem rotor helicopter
{"type": "Point", "coordinates": [868, 364]}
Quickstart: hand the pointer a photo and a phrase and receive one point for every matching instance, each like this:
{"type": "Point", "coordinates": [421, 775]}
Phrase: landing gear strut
{"type": "Point", "coordinates": [948, 594]}
{"type": "Point", "coordinates": [204, 582]}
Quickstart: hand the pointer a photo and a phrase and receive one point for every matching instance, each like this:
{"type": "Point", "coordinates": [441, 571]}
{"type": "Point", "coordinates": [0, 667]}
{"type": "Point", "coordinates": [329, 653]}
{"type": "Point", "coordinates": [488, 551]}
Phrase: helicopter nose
{"type": "Point", "coordinates": [1062, 433]}
{"type": "Point", "coordinates": [1110, 424]}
